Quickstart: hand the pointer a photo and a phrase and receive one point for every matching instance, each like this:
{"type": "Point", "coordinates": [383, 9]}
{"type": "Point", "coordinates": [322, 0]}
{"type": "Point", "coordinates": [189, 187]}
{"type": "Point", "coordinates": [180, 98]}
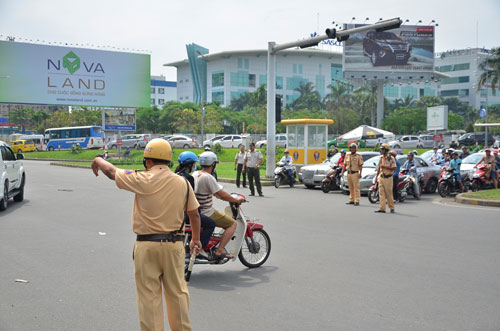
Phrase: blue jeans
{"type": "Point", "coordinates": [207, 228]}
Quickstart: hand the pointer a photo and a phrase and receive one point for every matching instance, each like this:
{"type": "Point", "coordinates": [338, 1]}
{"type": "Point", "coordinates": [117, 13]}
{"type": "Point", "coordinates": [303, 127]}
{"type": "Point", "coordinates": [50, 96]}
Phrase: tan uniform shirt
{"type": "Point", "coordinates": [252, 158]}
{"type": "Point", "coordinates": [240, 156]}
{"type": "Point", "coordinates": [160, 199]}
{"type": "Point", "coordinates": [387, 161]}
{"type": "Point", "coordinates": [353, 162]}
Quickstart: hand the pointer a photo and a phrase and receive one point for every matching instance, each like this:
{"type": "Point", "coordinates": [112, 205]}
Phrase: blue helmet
{"type": "Point", "coordinates": [342, 151]}
{"type": "Point", "coordinates": [186, 158]}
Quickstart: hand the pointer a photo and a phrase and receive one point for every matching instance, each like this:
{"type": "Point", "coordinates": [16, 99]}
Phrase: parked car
{"type": "Point", "coordinates": [427, 140]}
{"type": "Point", "coordinates": [429, 171]}
{"type": "Point", "coordinates": [470, 139]}
{"type": "Point", "coordinates": [182, 142]}
{"type": "Point", "coordinates": [343, 144]}
{"type": "Point", "coordinates": [312, 175]}
{"type": "Point", "coordinates": [136, 141]}
{"type": "Point", "coordinates": [210, 142]}
{"type": "Point", "coordinates": [280, 141]}
{"type": "Point", "coordinates": [230, 141]}
{"type": "Point", "coordinates": [22, 146]}
{"type": "Point", "coordinates": [407, 142]}
{"type": "Point", "coordinates": [12, 176]}
{"type": "Point", "coordinates": [386, 48]}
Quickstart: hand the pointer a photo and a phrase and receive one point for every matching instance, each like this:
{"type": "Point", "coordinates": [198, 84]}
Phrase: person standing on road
{"type": "Point", "coordinates": [353, 164]}
{"type": "Point", "coordinates": [251, 165]}
{"type": "Point", "coordinates": [288, 164]}
{"type": "Point", "coordinates": [386, 167]}
{"type": "Point", "coordinates": [239, 159]}
{"type": "Point", "coordinates": [161, 197]}
{"type": "Point", "coordinates": [395, 177]}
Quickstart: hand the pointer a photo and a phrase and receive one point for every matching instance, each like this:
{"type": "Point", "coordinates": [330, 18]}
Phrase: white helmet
{"type": "Point", "coordinates": [208, 158]}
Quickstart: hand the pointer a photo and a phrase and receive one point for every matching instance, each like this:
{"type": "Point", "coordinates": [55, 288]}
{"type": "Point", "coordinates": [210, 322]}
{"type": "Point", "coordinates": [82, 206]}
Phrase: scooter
{"type": "Point", "coordinates": [281, 175]}
{"type": "Point", "coordinates": [410, 190]}
{"type": "Point", "coordinates": [481, 179]}
{"type": "Point", "coordinates": [332, 180]}
{"type": "Point", "coordinates": [448, 184]}
{"type": "Point", "coordinates": [403, 184]}
{"type": "Point", "coordinates": [250, 243]}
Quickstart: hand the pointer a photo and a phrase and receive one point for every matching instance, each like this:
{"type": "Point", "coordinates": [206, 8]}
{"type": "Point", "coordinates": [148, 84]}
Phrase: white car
{"type": "Point", "coordinates": [230, 141]}
{"type": "Point", "coordinates": [12, 177]}
{"type": "Point", "coordinates": [210, 142]}
{"type": "Point", "coordinates": [280, 141]}
{"type": "Point", "coordinates": [407, 142]}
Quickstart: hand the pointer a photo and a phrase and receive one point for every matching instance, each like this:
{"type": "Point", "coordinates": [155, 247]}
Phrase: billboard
{"type": "Point", "coordinates": [437, 118]}
{"type": "Point", "coordinates": [53, 75]}
{"type": "Point", "coordinates": [407, 51]}
{"type": "Point", "coordinates": [119, 119]}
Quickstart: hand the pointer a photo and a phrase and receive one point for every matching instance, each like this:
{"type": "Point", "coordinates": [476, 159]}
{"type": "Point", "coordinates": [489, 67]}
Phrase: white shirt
{"type": "Point", "coordinates": [205, 187]}
{"type": "Point", "coordinates": [288, 161]}
{"type": "Point", "coordinates": [240, 156]}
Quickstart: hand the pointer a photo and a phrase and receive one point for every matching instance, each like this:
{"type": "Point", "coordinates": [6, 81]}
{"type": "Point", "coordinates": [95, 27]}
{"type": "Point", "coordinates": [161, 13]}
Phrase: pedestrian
{"type": "Point", "coordinates": [353, 164]}
{"type": "Point", "coordinates": [253, 159]}
{"type": "Point", "coordinates": [161, 197]}
{"type": "Point", "coordinates": [395, 177]}
{"type": "Point", "coordinates": [239, 159]}
{"type": "Point", "coordinates": [386, 167]}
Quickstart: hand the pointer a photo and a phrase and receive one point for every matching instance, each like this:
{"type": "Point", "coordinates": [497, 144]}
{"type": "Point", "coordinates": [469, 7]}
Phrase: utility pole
{"type": "Point", "coordinates": [273, 48]}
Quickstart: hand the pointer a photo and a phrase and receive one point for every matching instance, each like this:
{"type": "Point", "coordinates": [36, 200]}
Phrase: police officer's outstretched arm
{"type": "Point", "coordinates": [107, 168]}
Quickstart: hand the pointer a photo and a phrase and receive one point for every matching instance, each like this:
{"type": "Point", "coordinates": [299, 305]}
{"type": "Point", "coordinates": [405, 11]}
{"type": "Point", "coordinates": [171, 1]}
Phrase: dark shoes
{"type": "Point", "coordinates": [380, 211]}
{"type": "Point", "coordinates": [356, 203]}
{"type": "Point", "coordinates": [252, 194]}
{"type": "Point", "coordinates": [261, 195]}
{"type": "Point", "coordinates": [392, 211]}
{"type": "Point", "coordinates": [349, 203]}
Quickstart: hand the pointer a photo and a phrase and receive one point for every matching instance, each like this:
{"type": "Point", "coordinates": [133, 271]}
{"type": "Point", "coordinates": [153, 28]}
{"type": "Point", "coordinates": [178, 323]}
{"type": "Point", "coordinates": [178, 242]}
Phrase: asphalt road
{"type": "Point", "coordinates": [430, 266]}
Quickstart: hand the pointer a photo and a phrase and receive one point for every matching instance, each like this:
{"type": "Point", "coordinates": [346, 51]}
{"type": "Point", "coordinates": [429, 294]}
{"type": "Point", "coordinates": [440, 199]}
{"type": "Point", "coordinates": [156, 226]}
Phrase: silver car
{"type": "Point", "coordinates": [430, 174]}
{"type": "Point", "coordinates": [182, 142]}
{"type": "Point", "coordinates": [136, 141]}
{"type": "Point", "coordinates": [407, 142]}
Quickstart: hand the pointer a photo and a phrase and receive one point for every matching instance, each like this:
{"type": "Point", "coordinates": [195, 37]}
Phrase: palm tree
{"type": "Point", "coordinates": [491, 67]}
{"type": "Point", "coordinates": [369, 100]}
{"type": "Point", "coordinates": [339, 96]}
{"type": "Point", "coordinates": [308, 99]}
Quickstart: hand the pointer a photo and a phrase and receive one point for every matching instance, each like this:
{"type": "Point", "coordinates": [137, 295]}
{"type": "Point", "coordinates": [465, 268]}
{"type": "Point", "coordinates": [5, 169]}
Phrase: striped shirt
{"type": "Point", "coordinates": [205, 187]}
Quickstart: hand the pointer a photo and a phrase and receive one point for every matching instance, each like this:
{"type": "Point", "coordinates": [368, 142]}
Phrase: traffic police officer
{"type": "Point", "coordinates": [386, 167]}
{"type": "Point", "coordinates": [353, 164]}
{"type": "Point", "coordinates": [161, 197]}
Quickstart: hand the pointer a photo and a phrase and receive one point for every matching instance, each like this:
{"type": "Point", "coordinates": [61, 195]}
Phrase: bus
{"type": "Point", "coordinates": [87, 137]}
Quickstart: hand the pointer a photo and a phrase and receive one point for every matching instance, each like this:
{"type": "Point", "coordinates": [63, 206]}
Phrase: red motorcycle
{"type": "Point", "coordinates": [482, 178]}
{"type": "Point", "coordinates": [404, 182]}
{"type": "Point", "coordinates": [250, 243]}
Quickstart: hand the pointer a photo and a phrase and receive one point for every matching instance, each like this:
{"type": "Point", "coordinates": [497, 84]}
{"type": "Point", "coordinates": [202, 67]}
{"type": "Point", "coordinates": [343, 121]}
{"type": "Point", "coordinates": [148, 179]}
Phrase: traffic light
{"type": "Point", "coordinates": [331, 33]}
{"type": "Point", "coordinates": [278, 109]}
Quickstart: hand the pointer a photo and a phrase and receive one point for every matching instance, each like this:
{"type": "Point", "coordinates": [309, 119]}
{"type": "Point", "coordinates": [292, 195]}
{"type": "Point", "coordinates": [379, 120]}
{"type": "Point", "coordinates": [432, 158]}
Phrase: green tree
{"type": "Point", "coordinates": [309, 98]}
{"type": "Point", "coordinates": [22, 116]}
{"type": "Point", "coordinates": [491, 68]}
{"type": "Point", "coordinates": [147, 119]}
{"type": "Point", "coordinates": [367, 96]}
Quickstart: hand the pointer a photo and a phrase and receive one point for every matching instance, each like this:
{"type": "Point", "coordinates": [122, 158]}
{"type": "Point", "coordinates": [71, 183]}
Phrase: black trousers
{"type": "Point", "coordinates": [254, 173]}
{"type": "Point", "coordinates": [395, 181]}
{"type": "Point", "coordinates": [239, 173]}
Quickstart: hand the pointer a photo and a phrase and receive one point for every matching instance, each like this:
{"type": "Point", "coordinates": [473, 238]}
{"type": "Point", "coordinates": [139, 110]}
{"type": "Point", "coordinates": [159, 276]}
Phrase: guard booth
{"type": "Point", "coordinates": [307, 140]}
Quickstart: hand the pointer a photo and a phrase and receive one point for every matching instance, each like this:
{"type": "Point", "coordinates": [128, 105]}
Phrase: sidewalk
{"type": "Point", "coordinates": [476, 202]}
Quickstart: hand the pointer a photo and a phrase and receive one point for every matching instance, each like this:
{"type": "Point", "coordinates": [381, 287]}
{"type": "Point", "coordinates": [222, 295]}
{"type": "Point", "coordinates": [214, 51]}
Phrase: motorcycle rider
{"type": "Point", "coordinates": [489, 160]}
{"type": "Point", "coordinates": [386, 167]}
{"type": "Point", "coordinates": [455, 164]}
{"type": "Point", "coordinates": [395, 177]}
{"type": "Point", "coordinates": [497, 162]}
{"type": "Point", "coordinates": [411, 166]}
{"type": "Point", "coordinates": [187, 163]}
{"type": "Point", "coordinates": [205, 188]}
{"type": "Point", "coordinates": [288, 162]}
{"type": "Point", "coordinates": [436, 158]}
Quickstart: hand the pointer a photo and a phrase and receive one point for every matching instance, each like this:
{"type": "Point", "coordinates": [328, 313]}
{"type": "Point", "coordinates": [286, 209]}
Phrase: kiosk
{"type": "Point", "coordinates": [307, 140]}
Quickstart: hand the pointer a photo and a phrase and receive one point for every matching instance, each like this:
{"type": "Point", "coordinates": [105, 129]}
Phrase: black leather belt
{"type": "Point", "coordinates": [160, 237]}
{"type": "Point", "coordinates": [386, 176]}
{"type": "Point", "coordinates": [353, 172]}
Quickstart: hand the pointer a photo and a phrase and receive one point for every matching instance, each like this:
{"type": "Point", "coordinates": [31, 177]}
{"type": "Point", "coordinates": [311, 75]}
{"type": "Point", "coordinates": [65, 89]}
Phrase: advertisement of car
{"type": "Point", "coordinates": [119, 119]}
{"type": "Point", "coordinates": [409, 48]}
{"type": "Point", "coordinates": [54, 75]}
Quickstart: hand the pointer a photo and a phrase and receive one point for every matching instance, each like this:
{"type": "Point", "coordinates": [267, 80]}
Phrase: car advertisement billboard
{"type": "Point", "coordinates": [53, 75]}
{"type": "Point", "coordinates": [409, 48]}
{"type": "Point", "coordinates": [119, 119]}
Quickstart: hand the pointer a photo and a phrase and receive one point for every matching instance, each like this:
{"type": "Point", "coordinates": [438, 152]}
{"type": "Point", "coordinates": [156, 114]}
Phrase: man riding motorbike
{"type": "Point", "coordinates": [489, 160]}
{"type": "Point", "coordinates": [411, 167]}
{"type": "Point", "coordinates": [288, 164]}
{"type": "Point", "coordinates": [455, 164]}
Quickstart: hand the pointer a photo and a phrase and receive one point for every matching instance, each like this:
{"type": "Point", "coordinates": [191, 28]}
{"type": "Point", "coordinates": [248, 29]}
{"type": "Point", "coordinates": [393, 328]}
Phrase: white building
{"type": "Point", "coordinates": [162, 90]}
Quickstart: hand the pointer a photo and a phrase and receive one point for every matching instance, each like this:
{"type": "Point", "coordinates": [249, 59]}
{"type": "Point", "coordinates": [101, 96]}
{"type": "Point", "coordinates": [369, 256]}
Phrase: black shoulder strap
{"type": "Point", "coordinates": [181, 229]}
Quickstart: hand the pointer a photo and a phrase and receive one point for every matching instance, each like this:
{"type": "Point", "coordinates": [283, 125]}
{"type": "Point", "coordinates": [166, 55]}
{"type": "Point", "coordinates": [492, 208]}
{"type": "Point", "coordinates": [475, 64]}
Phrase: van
{"type": "Point", "coordinates": [37, 140]}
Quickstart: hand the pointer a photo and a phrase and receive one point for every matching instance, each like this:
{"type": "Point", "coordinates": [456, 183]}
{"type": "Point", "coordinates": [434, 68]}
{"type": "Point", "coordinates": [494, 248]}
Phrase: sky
{"type": "Point", "coordinates": [164, 27]}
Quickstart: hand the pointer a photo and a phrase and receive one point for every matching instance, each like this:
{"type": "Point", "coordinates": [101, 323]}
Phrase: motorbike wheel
{"type": "Point", "coordinates": [466, 186]}
{"type": "Point", "coordinates": [325, 187]}
{"type": "Point", "coordinates": [263, 245]}
{"type": "Point", "coordinates": [474, 186]}
{"type": "Point", "coordinates": [443, 189]}
{"type": "Point", "coordinates": [277, 182]}
{"type": "Point", "coordinates": [373, 196]}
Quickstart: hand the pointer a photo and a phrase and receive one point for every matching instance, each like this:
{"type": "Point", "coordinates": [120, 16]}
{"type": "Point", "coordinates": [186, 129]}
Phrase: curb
{"type": "Point", "coordinates": [476, 202]}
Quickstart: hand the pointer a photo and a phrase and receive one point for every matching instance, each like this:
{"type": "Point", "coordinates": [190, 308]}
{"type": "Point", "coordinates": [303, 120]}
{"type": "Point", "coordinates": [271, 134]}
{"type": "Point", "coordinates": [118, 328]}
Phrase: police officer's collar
{"type": "Point", "coordinates": [159, 167]}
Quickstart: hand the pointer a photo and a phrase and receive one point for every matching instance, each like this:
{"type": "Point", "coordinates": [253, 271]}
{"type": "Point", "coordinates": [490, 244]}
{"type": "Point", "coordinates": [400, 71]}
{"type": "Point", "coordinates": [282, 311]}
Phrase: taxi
{"type": "Point", "coordinates": [21, 146]}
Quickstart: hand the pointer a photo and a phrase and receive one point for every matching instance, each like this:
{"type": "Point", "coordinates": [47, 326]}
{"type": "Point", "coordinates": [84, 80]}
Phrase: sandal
{"type": "Point", "coordinates": [223, 256]}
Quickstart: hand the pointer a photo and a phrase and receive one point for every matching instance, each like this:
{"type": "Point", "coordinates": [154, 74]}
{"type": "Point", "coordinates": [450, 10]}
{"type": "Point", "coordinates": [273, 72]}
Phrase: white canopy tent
{"type": "Point", "coordinates": [366, 132]}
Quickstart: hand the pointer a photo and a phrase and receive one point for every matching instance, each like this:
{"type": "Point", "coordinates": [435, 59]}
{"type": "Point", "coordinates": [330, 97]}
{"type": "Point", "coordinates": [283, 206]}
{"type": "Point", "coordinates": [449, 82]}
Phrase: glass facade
{"type": "Point", "coordinates": [294, 82]}
{"type": "Point", "coordinates": [408, 91]}
{"type": "Point", "coordinates": [240, 79]}
{"type": "Point", "coordinates": [218, 96]}
{"type": "Point", "coordinates": [391, 91]}
{"type": "Point", "coordinates": [454, 93]}
{"type": "Point", "coordinates": [320, 85]}
{"type": "Point", "coordinates": [455, 80]}
{"type": "Point", "coordinates": [218, 79]}
{"type": "Point", "coordinates": [453, 67]}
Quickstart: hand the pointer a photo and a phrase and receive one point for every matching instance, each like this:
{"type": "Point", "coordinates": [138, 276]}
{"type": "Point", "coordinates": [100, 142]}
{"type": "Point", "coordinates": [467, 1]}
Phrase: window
{"type": "Point", "coordinates": [294, 82]}
{"type": "Point", "coordinates": [279, 82]}
{"type": "Point", "coordinates": [218, 96]}
{"type": "Point", "coordinates": [7, 154]}
{"type": "Point", "coordinates": [453, 67]}
{"type": "Point", "coordinates": [296, 136]}
{"type": "Point", "coordinates": [239, 79]}
{"type": "Point", "coordinates": [300, 69]}
{"type": "Point", "coordinates": [152, 90]}
{"type": "Point", "coordinates": [246, 64]}
{"type": "Point", "coordinates": [251, 80]}
{"type": "Point", "coordinates": [240, 63]}
{"type": "Point", "coordinates": [455, 80]}
{"type": "Point", "coordinates": [152, 101]}
{"type": "Point", "coordinates": [161, 90]}
{"type": "Point", "coordinates": [228, 138]}
{"type": "Point", "coordinates": [161, 101]}
{"type": "Point", "coordinates": [316, 136]}
{"type": "Point", "coordinates": [391, 91]}
{"type": "Point", "coordinates": [217, 79]}
{"type": "Point", "coordinates": [294, 68]}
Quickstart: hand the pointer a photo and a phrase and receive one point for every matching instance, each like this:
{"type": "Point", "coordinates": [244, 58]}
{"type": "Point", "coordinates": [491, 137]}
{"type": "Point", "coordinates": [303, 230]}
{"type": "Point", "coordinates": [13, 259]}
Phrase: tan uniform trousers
{"type": "Point", "coordinates": [354, 192]}
{"type": "Point", "coordinates": [157, 264]}
{"type": "Point", "coordinates": [385, 192]}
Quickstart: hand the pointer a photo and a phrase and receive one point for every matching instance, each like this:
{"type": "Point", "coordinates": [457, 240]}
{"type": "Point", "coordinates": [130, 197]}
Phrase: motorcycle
{"type": "Point", "coordinates": [404, 183]}
{"type": "Point", "coordinates": [410, 190]}
{"type": "Point", "coordinates": [481, 179]}
{"type": "Point", "coordinates": [448, 184]}
{"type": "Point", "coordinates": [250, 243]}
{"type": "Point", "coordinates": [281, 175]}
{"type": "Point", "coordinates": [332, 180]}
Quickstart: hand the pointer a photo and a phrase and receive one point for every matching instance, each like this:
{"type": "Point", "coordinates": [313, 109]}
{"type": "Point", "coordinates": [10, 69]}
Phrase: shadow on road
{"type": "Point", "coordinates": [229, 280]}
{"type": "Point", "coordinates": [13, 206]}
